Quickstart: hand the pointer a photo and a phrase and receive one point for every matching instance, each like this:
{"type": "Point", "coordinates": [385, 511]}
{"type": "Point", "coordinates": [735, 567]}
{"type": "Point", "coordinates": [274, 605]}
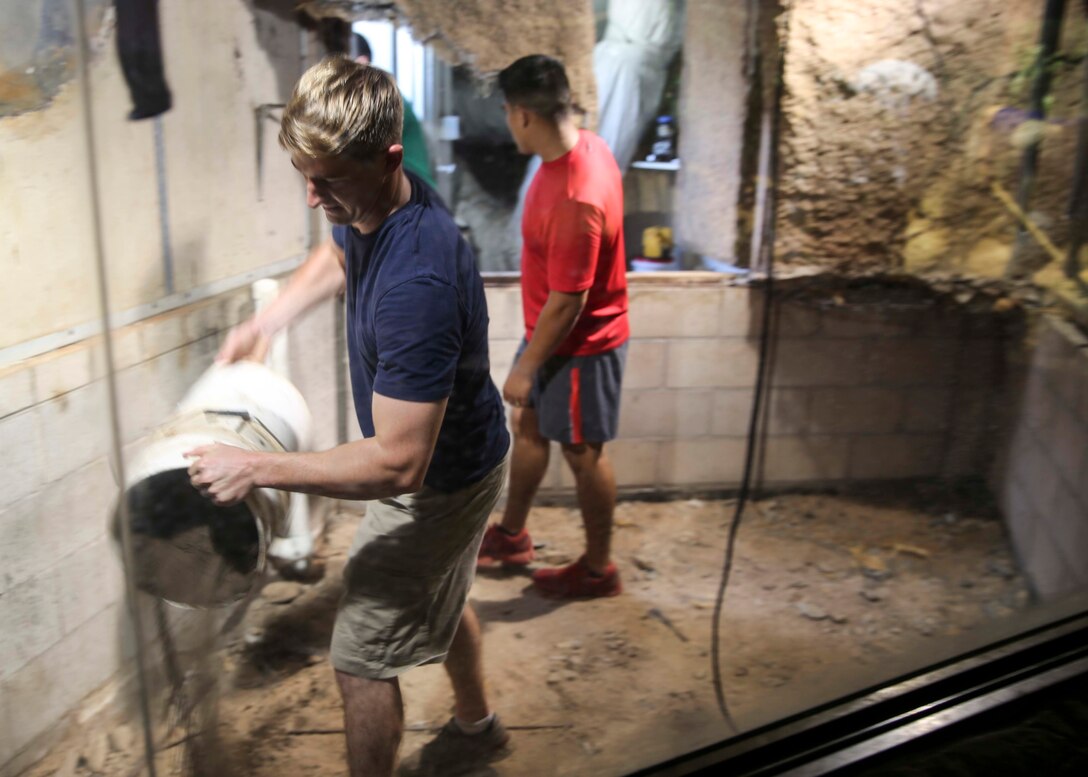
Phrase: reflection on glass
{"type": "Point", "coordinates": [918, 464]}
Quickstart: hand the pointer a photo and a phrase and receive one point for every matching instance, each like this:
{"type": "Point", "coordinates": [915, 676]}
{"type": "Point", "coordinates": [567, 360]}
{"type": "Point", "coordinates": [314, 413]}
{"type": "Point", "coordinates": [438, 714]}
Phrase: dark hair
{"type": "Point", "coordinates": [538, 83]}
{"type": "Point", "coordinates": [362, 48]}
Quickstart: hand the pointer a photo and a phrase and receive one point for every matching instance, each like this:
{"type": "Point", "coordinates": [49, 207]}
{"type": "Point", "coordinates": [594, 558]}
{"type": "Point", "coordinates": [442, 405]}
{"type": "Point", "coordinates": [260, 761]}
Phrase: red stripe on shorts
{"type": "Point", "coordinates": [575, 405]}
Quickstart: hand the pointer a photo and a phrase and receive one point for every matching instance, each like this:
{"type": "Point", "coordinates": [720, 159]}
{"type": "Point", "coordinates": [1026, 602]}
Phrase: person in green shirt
{"type": "Point", "coordinates": [416, 158]}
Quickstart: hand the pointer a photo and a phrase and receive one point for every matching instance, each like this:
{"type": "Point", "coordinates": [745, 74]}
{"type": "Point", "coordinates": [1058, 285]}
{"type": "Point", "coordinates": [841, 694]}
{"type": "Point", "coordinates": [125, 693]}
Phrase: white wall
{"type": "Point", "coordinates": [63, 629]}
{"type": "Point", "coordinates": [854, 396]}
{"type": "Point", "coordinates": [1043, 483]}
{"type": "Point", "coordinates": [61, 596]}
{"type": "Point", "coordinates": [222, 60]}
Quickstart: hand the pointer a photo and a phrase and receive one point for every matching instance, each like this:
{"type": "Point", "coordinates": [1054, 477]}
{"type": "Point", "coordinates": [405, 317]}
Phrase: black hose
{"type": "Point", "coordinates": [762, 370]}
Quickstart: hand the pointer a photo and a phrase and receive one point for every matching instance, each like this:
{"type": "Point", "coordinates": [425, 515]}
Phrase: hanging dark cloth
{"type": "Point", "coordinates": [140, 49]}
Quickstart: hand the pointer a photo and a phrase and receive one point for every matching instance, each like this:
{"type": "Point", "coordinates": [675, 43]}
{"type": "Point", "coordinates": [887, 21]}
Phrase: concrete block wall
{"type": "Point", "coordinates": [1043, 481]}
{"type": "Point", "coordinates": [64, 626]}
{"type": "Point", "coordinates": [855, 395]}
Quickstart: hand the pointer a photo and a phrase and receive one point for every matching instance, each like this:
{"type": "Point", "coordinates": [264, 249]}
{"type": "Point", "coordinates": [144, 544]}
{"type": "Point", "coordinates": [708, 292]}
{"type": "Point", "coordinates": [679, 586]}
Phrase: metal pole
{"type": "Point", "coordinates": [83, 57]}
{"type": "Point", "coordinates": [1040, 87]}
{"type": "Point", "coordinates": [164, 211]}
{"type": "Point", "coordinates": [1078, 199]}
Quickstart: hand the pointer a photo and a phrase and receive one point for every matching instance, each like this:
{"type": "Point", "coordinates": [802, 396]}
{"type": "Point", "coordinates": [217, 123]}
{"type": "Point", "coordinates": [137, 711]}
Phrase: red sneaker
{"type": "Point", "coordinates": [575, 581]}
{"type": "Point", "coordinates": [499, 547]}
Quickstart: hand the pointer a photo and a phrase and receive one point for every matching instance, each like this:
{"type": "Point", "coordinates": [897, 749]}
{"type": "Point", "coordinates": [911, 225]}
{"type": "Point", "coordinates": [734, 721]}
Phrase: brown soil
{"type": "Point", "coordinates": [828, 594]}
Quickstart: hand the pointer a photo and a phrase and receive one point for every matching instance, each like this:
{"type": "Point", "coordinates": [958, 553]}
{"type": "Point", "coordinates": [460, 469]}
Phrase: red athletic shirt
{"type": "Point", "coordinates": [572, 231]}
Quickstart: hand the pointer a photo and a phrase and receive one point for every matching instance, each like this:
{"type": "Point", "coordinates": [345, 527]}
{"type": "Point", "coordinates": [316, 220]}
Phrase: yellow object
{"type": "Point", "coordinates": [656, 242]}
{"type": "Point", "coordinates": [1029, 225]}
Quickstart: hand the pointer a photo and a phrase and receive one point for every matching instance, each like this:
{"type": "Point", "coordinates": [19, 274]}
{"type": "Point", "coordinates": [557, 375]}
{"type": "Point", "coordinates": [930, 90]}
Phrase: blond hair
{"type": "Point", "coordinates": [340, 107]}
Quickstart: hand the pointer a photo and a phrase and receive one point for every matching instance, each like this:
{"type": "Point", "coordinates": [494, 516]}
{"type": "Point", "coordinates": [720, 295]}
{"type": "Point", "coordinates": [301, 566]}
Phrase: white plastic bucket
{"type": "Point", "coordinates": [186, 549]}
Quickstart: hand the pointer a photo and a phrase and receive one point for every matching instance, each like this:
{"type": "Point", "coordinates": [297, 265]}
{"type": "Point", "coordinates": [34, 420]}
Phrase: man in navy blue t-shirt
{"type": "Point", "coordinates": [433, 457]}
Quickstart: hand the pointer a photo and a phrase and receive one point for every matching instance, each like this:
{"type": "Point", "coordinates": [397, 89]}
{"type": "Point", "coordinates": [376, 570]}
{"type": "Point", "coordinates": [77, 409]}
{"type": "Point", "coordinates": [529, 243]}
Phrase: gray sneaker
{"type": "Point", "coordinates": [452, 752]}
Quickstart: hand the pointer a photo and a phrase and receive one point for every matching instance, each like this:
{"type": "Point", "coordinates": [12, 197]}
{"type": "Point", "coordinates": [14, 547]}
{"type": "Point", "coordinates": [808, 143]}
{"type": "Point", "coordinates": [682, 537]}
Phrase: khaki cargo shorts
{"type": "Point", "coordinates": [411, 565]}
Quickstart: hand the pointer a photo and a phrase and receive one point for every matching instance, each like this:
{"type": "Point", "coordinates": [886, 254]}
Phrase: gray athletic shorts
{"type": "Point", "coordinates": [577, 398]}
{"type": "Point", "coordinates": [411, 565]}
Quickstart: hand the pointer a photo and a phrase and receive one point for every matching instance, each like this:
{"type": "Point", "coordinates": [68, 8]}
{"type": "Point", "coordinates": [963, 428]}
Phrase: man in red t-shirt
{"type": "Point", "coordinates": [565, 383]}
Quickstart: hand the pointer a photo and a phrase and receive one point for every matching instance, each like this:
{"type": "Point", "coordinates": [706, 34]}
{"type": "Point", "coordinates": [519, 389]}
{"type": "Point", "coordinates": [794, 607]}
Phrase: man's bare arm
{"type": "Point", "coordinates": [320, 277]}
{"type": "Point", "coordinates": [394, 461]}
{"type": "Point", "coordinates": [557, 318]}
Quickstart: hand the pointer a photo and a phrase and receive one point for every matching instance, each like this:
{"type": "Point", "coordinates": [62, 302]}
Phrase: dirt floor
{"type": "Point", "coordinates": [828, 594]}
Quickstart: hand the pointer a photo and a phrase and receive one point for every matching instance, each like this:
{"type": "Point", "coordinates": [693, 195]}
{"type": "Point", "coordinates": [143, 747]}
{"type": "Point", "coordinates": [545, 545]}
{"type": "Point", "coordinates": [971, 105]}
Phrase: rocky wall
{"type": "Point", "coordinates": [488, 35]}
{"type": "Point", "coordinates": [898, 119]}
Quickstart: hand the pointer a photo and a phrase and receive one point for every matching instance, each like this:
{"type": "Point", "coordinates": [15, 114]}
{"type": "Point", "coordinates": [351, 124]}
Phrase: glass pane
{"type": "Point", "coordinates": [838, 376]}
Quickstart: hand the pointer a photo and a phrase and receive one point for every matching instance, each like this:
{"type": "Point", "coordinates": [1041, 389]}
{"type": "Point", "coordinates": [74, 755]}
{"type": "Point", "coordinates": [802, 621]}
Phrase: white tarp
{"type": "Point", "coordinates": [630, 64]}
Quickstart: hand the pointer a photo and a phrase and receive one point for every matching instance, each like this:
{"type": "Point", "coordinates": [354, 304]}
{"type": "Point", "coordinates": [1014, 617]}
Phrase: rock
{"type": "Point", "coordinates": [879, 575]}
{"type": "Point", "coordinates": [811, 611]}
{"type": "Point", "coordinates": [281, 592]}
{"type": "Point", "coordinates": [643, 563]}
{"type": "Point", "coordinates": [996, 610]}
{"type": "Point", "coordinates": [798, 584]}
{"type": "Point", "coordinates": [871, 595]}
{"type": "Point", "coordinates": [554, 678]}
{"type": "Point", "coordinates": [69, 767]}
{"type": "Point", "coordinates": [769, 586]}
{"type": "Point", "coordinates": [872, 565]}
{"type": "Point", "coordinates": [570, 675]}
{"type": "Point", "coordinates": [836, 618]}
{"type": "Point", "coordinates": [910, 550]}
{"type": "Point", "coordinates": [96, 753]}
{"type": "Point", "coordinates": [925, 627]}
{"type": "Point", "coordinates": [573, 644]}
{"type": "Point", "coordinates": [122, 739]}
{"type": "Point", "coordinates": [253, 636]}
